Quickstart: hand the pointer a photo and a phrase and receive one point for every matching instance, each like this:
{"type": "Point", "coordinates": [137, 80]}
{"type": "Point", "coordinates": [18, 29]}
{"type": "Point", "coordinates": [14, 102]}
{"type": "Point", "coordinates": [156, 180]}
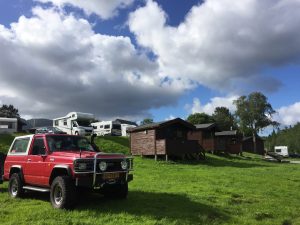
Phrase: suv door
{"type": "Point", "coordinates": [35, 171]}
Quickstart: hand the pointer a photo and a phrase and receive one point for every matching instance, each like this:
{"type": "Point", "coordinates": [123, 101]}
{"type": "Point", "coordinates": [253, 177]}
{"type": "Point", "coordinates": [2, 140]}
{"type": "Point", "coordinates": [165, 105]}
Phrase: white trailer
{"type": "Point", "coordinates": [77, 123]}
{"type": "Point", "coordinates": [104, 128]}
{"type": "Point", "coordinates": [281, 150]}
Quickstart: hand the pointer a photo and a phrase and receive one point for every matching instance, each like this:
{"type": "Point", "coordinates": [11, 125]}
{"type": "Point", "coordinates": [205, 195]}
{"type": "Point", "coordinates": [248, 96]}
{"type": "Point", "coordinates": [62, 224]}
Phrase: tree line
{"type": "Point", "coordinates": [289, 136]}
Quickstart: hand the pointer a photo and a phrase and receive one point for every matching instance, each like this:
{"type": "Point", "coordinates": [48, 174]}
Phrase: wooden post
{"type": "Point", "coordinates": [166, 157]}
{"type": "Point", "coordinates": [155, 157]}
{"type": "Point", "coordinates": [155, 153]}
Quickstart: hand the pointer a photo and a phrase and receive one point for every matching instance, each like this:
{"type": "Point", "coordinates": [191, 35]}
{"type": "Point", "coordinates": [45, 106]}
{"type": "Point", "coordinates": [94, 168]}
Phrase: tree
{"type": "Point", "coordinates": [199, 118]}
{"type": "Point", "coordinates": [254, 113]}
{"type": "Point", "coordinates": [224, 118]}
{"type": "Point", "coordinates": [9, 111]}
{"type": "Point", "coordinates": [146, 121]}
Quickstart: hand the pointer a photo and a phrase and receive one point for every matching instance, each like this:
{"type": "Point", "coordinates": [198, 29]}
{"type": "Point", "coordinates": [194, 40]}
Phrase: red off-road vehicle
{"type": "Point", "coordinates": [63, 164]}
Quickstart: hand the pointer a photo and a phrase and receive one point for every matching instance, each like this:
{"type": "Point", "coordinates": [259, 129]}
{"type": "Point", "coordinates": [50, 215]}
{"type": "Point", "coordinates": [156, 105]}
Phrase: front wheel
{"type": "Point", "coordinates": [63, 193]}
{"type": "Point", "coordinates": [15, 186]}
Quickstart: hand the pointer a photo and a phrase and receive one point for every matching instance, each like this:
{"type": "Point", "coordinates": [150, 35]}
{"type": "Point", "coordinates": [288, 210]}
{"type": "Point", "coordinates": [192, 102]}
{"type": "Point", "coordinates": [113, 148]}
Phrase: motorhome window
{"type": "Point", "coordinates": [116, 126]}
{"type": "Point", "coordinates": [106, 126]}
{"type": "Point", "coordinates": [278, 150]}
{"type": "Point", "coordinates": [20, 146]}
{"type": "Point", "coordinates": [56, 122]}
{"type": "Point", "coordinates": [83, 123]}
{"type": "Point", "coordinates": [74, 124]}
{"type": "Point", "coordinates": [68, 143]}
{"type": "Point", "coordinates": [65, 123]}
{"type": "Point", "coordinates": [101, 126]}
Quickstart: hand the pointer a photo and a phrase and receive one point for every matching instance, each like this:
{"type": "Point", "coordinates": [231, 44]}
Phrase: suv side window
{"type": "Point", "coordinates": [20, 146]}
{"type": "Point", "coordinates": [38, 147]}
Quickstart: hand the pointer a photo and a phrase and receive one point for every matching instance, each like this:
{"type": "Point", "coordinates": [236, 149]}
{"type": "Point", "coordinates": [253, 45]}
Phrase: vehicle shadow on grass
{"type": "Point", "coordinates": [174, 207]}
{"type": "Point", "coordinates": [222, 162]}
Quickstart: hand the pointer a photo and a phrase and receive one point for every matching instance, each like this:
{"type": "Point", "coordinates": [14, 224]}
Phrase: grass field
{"type": "Point", "coordinates": [221, 190]}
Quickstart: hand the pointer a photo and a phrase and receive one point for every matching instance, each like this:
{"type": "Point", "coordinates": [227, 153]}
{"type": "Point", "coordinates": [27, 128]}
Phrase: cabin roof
{"type": "Point", "coordinates": [162, 124]}
{"type": "Point", "coordinates": [226, 133]}
{"type": "Point", "coordinates": [205, 126]}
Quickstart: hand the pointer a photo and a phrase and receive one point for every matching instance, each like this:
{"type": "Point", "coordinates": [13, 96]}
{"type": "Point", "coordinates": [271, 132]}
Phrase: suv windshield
{"type": "Point", "coordinates": [116, 126]}
{"type": "Point", "coordinates": [67, 143]}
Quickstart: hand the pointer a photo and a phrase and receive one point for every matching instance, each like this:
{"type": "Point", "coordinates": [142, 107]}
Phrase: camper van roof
{"type": "Point", "coordinates": [77, 115]}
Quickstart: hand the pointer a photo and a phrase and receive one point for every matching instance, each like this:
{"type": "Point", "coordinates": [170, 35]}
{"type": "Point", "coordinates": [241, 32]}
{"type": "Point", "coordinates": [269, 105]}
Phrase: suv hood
{"type": "Point", "coordinates": [86, 155]}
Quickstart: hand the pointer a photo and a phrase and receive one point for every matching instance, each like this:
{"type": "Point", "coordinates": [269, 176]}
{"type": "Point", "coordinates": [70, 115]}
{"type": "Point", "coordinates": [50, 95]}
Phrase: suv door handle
{"type": "Point", "coordinates": [28, 160]}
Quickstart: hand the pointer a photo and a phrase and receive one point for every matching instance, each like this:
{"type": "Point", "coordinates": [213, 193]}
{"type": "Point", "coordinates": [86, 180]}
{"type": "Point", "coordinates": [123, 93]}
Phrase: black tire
{"type": "Point", "coordinates": [63, 193]}
{"type": "Point", "coordinates": [116, 191]}
{"type": "Point", "coordinates": [15, 186]}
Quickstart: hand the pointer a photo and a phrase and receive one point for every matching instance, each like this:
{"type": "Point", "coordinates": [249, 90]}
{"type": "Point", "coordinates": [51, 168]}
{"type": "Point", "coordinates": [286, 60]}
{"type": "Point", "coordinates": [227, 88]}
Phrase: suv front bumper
{"type": "Point", "coordinates": [89, 181]}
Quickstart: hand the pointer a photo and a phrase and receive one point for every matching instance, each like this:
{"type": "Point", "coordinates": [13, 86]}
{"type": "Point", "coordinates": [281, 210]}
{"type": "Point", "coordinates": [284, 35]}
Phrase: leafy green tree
{"type": "Point", "coordinates": [9, 111]}
{"type": "Point", "coordinates": [224, 118]}
{"type": "Point", "coordinates": [146, 121]}
{"type": "Point", "coordinates": [199, 118]}
{"type": "Point", "coordinates": [254, 113]}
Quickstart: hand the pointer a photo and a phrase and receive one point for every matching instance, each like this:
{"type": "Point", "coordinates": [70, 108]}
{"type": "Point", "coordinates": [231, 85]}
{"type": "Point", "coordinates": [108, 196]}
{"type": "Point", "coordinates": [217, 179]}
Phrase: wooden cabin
{"type": "Point", "coordinates": [168, 138]}
{"type": "Point", "coordinates": [248, 146]}
{"type": "Point", "coordinates": [228, 141]}
{"type": "Point", "coordinates": [205, 135]}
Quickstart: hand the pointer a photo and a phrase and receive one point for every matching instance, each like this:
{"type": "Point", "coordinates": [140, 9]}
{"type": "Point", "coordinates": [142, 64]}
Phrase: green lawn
{"type": "Point", "coordinates": [221, 190]}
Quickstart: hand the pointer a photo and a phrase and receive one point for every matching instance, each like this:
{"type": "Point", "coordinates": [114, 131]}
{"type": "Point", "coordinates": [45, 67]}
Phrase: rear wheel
{"type": "Point", "coordinates": [15, 186]}
{"type": "Point", "coordinates": [63, 193]}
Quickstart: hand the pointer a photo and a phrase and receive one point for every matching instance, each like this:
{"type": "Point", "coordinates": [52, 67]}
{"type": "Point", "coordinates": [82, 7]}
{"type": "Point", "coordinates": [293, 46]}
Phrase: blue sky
{"type": "Point", "coordinates": [135, 59]}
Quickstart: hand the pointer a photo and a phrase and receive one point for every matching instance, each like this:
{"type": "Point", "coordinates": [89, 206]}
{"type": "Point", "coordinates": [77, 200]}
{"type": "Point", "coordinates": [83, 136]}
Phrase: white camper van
{"type": "Point", "coordinates": [103, 128]}
{"type": "Point", "coordinates": [125, 127]}
{"type": "Point", "coordinates": [281, 150]}
{"type": "Point", "coordinates": [75, 123]}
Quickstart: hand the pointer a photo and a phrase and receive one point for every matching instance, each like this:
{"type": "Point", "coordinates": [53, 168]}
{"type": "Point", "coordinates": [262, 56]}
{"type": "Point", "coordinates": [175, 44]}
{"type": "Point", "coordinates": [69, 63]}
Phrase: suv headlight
{"type": "Point", "coordinates": [82, 166]}
{"type": "Point", "coordinates": [102, 166]}
{"type": "Point", "coordinates": [124, 165]}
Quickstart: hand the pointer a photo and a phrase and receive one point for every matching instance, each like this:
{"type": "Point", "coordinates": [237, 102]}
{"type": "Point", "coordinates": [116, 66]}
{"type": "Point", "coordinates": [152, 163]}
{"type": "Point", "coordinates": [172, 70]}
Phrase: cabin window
{"type": "Point", "coordinates": [65, 123]}
{"type": "Point", "coordinates": [106, 126]}
{"type": "Point", "coordinates": [20, 146]}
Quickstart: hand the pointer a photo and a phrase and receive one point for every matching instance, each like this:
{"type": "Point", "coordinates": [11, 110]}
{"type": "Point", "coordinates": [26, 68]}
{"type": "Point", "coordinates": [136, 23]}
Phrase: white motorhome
{"type": "Point", "coordinates": [281, 150]}
{"type": "Point", "coordinates": [104, 128]}
{"type": "Point", "coordinates": [77, 123]}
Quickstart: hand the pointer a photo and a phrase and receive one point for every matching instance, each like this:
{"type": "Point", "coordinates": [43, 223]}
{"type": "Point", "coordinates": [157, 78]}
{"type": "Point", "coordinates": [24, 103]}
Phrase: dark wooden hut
{"type": "Point", "coordinates": [228, 141]}
{"type": "Point", "coordinates": [205, 135]}
{"type": "Point", "coordinates": [248, 146]}
{"type": "Point", "coordinates": [169, 138]}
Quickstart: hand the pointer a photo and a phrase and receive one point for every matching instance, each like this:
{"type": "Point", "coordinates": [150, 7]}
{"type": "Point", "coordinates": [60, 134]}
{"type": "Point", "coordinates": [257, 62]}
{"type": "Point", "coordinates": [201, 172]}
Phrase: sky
{"type": "Point", "coordinates": [135, 59]}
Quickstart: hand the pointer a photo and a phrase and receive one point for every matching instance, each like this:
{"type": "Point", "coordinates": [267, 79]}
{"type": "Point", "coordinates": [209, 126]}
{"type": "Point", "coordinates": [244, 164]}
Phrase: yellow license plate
{"type": "Point", "coordinates": [109, 176]}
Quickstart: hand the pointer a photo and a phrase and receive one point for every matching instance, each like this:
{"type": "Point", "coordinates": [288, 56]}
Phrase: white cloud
{"type": "Point", "coordinates": [209, 107]}
{"type": "Point", "coordinates": [53, 63]}
{"type": "Point", "coordinates": [103, 8]}
{"type": "Point", "coordinates": [288, 115]}
{"type": "Point", "coordinates": [226, 45]}
{"type": "Point", "coordinates": [170, 117]}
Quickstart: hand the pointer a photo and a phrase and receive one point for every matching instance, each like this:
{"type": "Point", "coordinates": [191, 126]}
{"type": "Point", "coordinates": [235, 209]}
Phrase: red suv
{"type": "Point", "coordinates": [63, 164]}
